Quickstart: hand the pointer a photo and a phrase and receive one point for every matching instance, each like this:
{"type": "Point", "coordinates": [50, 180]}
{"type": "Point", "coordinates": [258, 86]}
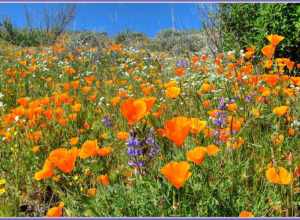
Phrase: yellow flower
{"type": "Point", "coordinates": [279, 176]}
{"type": "Point", "coordinates": [172, 92]}
{"type": "Point", "coordinates": [281, 110]}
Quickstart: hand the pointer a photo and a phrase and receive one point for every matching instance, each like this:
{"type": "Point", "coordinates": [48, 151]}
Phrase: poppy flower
{"type": "Point", "coordinates": [88, 149]}
{"type": "Point", "coordinates": [245, 214]}
{"type": "Point", "coordinates": [103, 179]}
{"type": "Point", "coordinates": [122, 135]}
{"type": "Point", "coordinates": [172, 92]}
{"type": "Point", "coordinates": [274, 39]}
{"type": "Point", "coordinates": [280, 110]}
{"type": "Point", "coordinates": [232, 107]}
{"type": "Point", "coordinates": [271, 79]}
{"type": "Point", "coordinates": [197, 155]}
{"type": "Point", "coordinates": [268, 51]}
{"type": "Point", "coordinates": [104, 151]}
{"type": "Point", "coordinates": [46, 172]}
{"type": "Point", "coordinates": [115, 100]}
{"type": "Point", "coordinates": [133, 110]}
{"type": "Point", "coordinates": [197, 125]}
{"type": "Point", "coordinates": [177, 129]}
{"type": "Point", "coordinates": [278, 175]}
{"type": "Point", "coordinates": [177, 173]}
{"type": "Point", "coordinates": [91, 192]}
{"type": "Point", "coordinates": [56, 211]}
{"type": "Point", "coordinates": [64, 159]}
{"type": "Point", "coordinates": [74, 141]}
{"type": "Point", "coordinates": [149, 102]}
{"type": "Point", "coordinates": [212, 150]}
{"type": "Point", "coordinates": [179, 71]}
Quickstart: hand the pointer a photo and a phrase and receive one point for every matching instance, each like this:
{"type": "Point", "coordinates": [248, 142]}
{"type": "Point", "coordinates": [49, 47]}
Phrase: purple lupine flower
{"type": "Point", "coordinates": [134, 152]}
{"type": "Point", "coordinates": [220, 121]}
{"type": "Point", "coordinates": [133, 142]}
{"type": "Point", "coordinates": [153, 150]}
{"type": "Point", "coordinates": [182, 63]}
{"type": "Point", "coordinates": [222, 104]}
{"type": "Point", "coordinates": [107, 121]}
{"type": "Point", "coordinates": [248, 98]}
{"type": "Point", "coordinates": [150, 140]}
{"type": "Point", "coordinates": [136, 163]}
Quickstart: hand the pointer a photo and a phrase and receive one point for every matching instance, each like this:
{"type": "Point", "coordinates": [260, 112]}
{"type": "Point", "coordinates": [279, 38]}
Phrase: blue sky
{"type": "Point", "coordinates": [113, 18]}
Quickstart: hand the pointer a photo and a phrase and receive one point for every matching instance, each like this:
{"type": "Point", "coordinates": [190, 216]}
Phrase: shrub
{"type": "Point", "coordinates": [248, 24]}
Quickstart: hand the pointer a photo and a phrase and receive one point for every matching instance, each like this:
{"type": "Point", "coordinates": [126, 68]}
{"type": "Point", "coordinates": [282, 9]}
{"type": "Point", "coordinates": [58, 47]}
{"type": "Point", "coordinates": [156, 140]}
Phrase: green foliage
{"type": "Point", "coordinates": [24, 37]}
{"type": "Point", "coordinates": [248, 24]}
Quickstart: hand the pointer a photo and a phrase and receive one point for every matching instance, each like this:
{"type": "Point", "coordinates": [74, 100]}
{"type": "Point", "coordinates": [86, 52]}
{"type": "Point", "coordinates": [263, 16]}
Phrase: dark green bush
{"type": "Point", "coordinates": [248, 24]}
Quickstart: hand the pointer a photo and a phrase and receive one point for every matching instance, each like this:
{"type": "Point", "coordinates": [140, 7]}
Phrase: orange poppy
{"type": "Point", "coordinates": [280, 110]}
{"type": "Point", "coordinates": [245, 214]}
{"type": "Point", "coordinates": [172, 92]}
{"type": "Point", "coordinates": [74, 141]}
{"type": "Point", "coordinates": [278, 176]}
{"type": "Point", "coordinates": [179, 71]}
{"type": "Point", "coordinates": [135, 110]}
{"type": "Point", "coordinates": [177, 173]}
{"type": "Point", "coordinates": [46, 172]}
{"type": "Point", "coordinates": [91, 192]}
{"type": "Point", "coordinates": [212, 150]}
{"type": "Point", "coordinates": [122, 135]}
{"type": "Point", "coordinates": [197, 125]}
{"type": "Point", "coordinates": [103, 179]}
{"type": "Point", "coordinates": [104, 151]}
{"type": "Point", "coordinates": [88, 149]}
{"type": "Point", "coordinates": [197, 155]}
{"type": "Point", "coordinates": [268, 51]}
{"type": "Point", "coordinates": [271, 79]}
{"type": "Point", "coordinates": [56, 211]}
{"type": "Point", "coordinates": [64, 159]}
{"type": "Point", "coordinates": [232, 107]}
{"type": "Point", "coordinates": [177, 129]}
{"type": "Point", "coordinates": [274, 39]}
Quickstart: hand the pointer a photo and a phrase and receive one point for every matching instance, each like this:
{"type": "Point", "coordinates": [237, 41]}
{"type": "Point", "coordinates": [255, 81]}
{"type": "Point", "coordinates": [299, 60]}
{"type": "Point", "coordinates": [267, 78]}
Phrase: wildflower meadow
{"type": "Point", "coordinates": [119, 131]}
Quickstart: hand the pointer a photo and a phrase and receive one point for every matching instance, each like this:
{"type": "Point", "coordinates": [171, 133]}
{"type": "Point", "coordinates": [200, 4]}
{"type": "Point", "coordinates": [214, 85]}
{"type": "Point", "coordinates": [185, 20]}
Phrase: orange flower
{"type": "Point", "coordinates": [205, 88]}
{"type": "Point", "coordinates": [104, 151]}
{"type": "Point", "coordinates": [46, 172]}
{"type": "Point", "coordinates": [274, 39]}
{"type": "Point", "coordinates": [278, 176]}
{"type": "Point", "coordinates": [179, 71]}
{"type": "Point", "coordinates": [177, 129]}
{"type": "Point", "coordinates": [76, 107]}
{"type": "Point", "coordinates": [212, 150]}
{"type": "Point", "coordinates": [172, 92]}
{"type": "Point", "coordinates": [268, 51]}
{"type": "Point", "coordinates": [281, 110]}
{"type": "Point", "coordinates": [122, 135]}
{"type": "Point", "coordinates": [56, 211]}
{"type": "Point", "coordinates": [135, 110]}
{"type": "Point", "coordinates": [64, 159]}
{"type": "Point", "coordinates": [69, 70]}
{"type": "Point", "coordinates": [197, 125]}
{"type": "Point", "coordinates": [197, 155]}
{"type": "Point", "coordinates": [245, 214]}
{"type": "Point", "coordinates": [115, 100]}
{"type": "Point", "coordinates": [149, 102]}
{"type": "Point", "coordinates": [271, 79]}
{"type": "Point", "coordinates": [88, 149]}
{"type": "Point", "coordinates": [177, 173]}
{"type": "Point", "coordinates": [91, 192]}
{"type": "Point", "coordinates": [74, 141]}
{"type": "Point", "coordinates": [232, 107]}
{"type": "Point", "coordinates": [103, 179]}
{"type": "Point", "coordinates": [249, 52]}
